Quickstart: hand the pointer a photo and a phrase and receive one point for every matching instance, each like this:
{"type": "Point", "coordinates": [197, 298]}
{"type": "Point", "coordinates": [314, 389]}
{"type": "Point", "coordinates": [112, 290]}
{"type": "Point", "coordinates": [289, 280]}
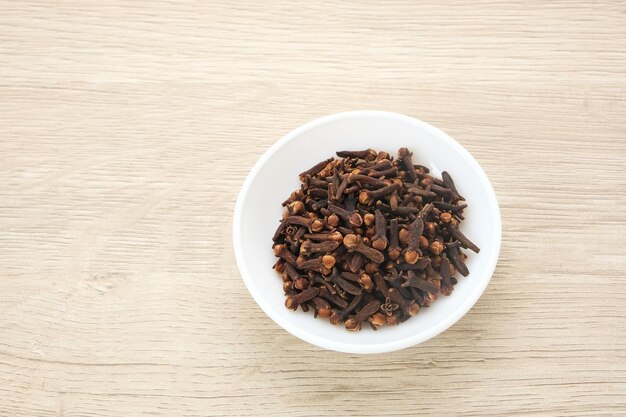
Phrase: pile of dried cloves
{"type": "Point", "coordinates": [369, 238]}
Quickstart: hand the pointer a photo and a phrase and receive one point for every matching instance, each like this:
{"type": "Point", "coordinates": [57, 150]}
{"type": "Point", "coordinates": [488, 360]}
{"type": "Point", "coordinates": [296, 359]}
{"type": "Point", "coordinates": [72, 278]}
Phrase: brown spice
{"type": "Point", "coordinates": [354, 323]}
{"type": "Point", "coordinates": [370, 234]}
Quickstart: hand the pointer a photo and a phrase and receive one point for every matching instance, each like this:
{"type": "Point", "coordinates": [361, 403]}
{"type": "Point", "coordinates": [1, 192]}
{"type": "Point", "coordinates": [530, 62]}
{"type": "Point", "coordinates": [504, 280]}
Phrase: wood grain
{"type": "Point", "coordinates": [126, 130]}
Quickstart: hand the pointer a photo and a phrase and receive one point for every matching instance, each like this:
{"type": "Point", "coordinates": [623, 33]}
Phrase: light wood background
{"type": "Point", "coordinates": [126, 130]}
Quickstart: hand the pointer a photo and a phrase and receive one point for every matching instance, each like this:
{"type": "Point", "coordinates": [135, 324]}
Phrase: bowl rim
{"type": "Point", "coordinates": [410, 340]}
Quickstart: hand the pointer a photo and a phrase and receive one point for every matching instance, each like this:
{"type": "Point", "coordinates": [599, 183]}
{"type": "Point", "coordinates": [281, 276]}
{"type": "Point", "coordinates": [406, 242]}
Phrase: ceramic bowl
{"type": "Point", "coordinates": [275, 176]}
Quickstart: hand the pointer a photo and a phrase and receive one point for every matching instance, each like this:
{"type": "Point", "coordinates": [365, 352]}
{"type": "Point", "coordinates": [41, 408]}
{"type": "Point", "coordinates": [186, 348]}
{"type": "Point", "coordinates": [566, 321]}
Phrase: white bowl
{"type": "Point", "coordinates": [275, 176]}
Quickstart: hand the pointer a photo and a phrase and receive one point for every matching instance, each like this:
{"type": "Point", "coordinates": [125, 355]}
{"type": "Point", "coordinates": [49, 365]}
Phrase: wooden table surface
{"type": "Point", "coordinates": [126, 130]}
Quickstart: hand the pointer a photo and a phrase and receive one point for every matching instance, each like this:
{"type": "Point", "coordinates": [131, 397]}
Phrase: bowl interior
{"type": "Point", "coordinates": [276, 175]}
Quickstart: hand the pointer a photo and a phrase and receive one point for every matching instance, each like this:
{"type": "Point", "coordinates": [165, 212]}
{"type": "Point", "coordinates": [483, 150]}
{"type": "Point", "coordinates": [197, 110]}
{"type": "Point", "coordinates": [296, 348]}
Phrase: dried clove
{"type": "Point", "coordinates": [447, 180]}
{"type": "Point", "coordinates": [444, 271]}
{"type": "Point", "coordinates": [355, 261]}
{"type": "Point", "coordinates": [352, 218]}
{"type": "Point", "coordinates": [314, 225]}
{"type": "Point", "coordinates": [396, 298]}
{"type": "Point", "coordinates": [413, 280]}
{"type": "Point", "coordinates": [449, 206]}
{"type": "Point", "coordinates": [316, 169]}
{"type": "Point", "coordinates": [367, 197]}
{"type": "Point", "coordinates": [370, 239]}
{"type": "Point", "coordinates": [333, 298]}
{"type": "Point", "coordinates": [406, 157]}
{"type": "Point", "coordinates": [292, 302]}
{"type": "Point", "coordinates": [354, 323]}
{"type": "Point", "coordinates": [413, 252]}
{"type": "Point", "coordinates": [345, 285]}
{"type": "Point", "coordinates": [319, 237]}
{"type": "Point", "coordinates": [421, 264]}
{"type": "Point", "coordinates": [308, 247]}
{"type": "Point", "coordinates": [280, 230]}
{"type": "Point", "coordinates": [367, 154]}
{"type": "Point", "coordinates": [393, 251]}
{"type": "Point", "coordinates": [281, 251]}
{"type": "Point", "coordinates": [364, 179]}
{"type": "Point", "coordinates": [465, 242]}
{"type": "Point", "coordinates": [355, 243]}
{"type": "Point", "coordinates": [322, 308]}
{"type": "Point", "coordinates": [339, 317]}
{"type": "Point", "coordinates": [322, 263]}
{"type": "Point", "coordinates": [379, 241]}
{"type": "Point", "coordinates": [453, 254]}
